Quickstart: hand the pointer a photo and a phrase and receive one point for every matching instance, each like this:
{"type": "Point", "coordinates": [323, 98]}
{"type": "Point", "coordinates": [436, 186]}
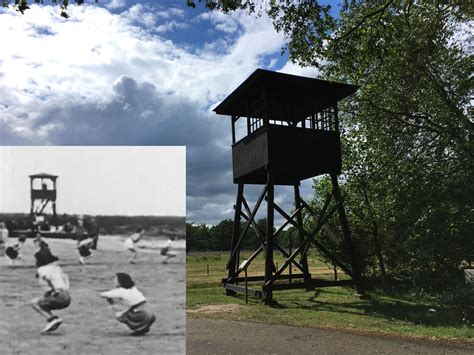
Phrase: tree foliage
{"type": "Point", "coordinates": [409, 145]}
{"type": "Point", "coordinates": [218, 237]}
{"type": "Point", "coordinates": [22, 5]}
{"type": "Point", "coordinates": [407, 135]}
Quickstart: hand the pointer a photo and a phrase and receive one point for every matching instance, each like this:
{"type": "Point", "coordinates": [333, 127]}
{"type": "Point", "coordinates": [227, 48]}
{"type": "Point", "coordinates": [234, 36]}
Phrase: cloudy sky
{"type": "Point", "coordinates": [137, 73]}
{"type": "Point", "coordinates": [133, 181]}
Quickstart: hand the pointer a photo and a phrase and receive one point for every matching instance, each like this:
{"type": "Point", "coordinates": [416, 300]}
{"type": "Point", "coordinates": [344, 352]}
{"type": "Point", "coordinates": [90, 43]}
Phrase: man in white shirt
{"type": "Point", "coordinates": [56, 284]}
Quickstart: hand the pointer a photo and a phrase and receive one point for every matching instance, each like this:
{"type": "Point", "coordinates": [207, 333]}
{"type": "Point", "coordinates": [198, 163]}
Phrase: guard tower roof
{"type": "Point", "coordinates": [310, 95]}
{"type": "Point", "coordinates": [44, 175]}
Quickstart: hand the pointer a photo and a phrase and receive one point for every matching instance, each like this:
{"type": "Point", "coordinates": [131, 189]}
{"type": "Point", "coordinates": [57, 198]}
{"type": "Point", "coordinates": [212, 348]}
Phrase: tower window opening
{"type": "Point", "coordinates": [255, 123]}
{"type": "Point", "coordinates": [324, 119]}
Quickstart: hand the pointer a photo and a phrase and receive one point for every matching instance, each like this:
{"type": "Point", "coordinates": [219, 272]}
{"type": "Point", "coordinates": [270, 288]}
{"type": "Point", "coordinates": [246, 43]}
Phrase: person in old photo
{"type": "Point", "coordinates": [52, 278]}
{"type": "Point", "coordinates": [167, 252]}
{"type": "Point", "coordinates": [84, 241]}
{"type": "Point", "coordinates": [3, 237]}
{"type": "Point", "coordinates": [130, 243]}
{"type": "Point", "coordinates": [12, 252]}
{"type": "Point", "coordinates": [62, 200]}
{"type": "Point", "coordinates": [136, 314]}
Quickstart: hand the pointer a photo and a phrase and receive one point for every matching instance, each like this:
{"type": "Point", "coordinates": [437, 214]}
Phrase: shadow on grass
{"type": "Point", "coordinates": [276, 304]}
{"type": "Point", "coordinates": [385, 309]}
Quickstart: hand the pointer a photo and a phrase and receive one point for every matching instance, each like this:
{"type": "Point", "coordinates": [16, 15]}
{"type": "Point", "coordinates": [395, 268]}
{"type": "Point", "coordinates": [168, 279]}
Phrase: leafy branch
{"type": "Point", "coordinates": [22, 5]}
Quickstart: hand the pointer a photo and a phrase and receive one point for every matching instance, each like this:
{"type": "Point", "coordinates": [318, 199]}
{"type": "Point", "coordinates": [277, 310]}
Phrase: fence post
{"type": "Point", "coordinates": [246, 288]}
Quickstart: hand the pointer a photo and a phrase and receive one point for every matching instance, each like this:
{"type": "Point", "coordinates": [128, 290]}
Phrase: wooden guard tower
{"type": "Point", "coordinates": [292, 133]}
{"type": "Point", "coordinates": [43, 198]}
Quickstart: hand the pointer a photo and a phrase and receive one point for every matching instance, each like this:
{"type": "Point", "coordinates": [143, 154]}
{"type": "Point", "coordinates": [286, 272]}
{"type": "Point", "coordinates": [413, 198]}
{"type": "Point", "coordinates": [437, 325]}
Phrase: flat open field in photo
{"type": "Point", "coordinates": [89, 325]}
{"type": "Point", "coordinates": [199, 263]}
{"type": "Point", "coordinates": [331, 307]}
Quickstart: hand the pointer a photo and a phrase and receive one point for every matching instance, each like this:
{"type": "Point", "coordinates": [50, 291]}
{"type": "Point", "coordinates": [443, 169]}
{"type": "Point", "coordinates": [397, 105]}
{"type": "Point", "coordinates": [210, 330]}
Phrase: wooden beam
{"type": "Point", "coordinates": [347, 233]}
{"type": "Point", "coordinates": [332, 258]}
{"type": "Point", "coordinates": [322, 247]}
{"type": "Point", "coordinates": [309, 238]}
{"type": "Point", "coordinates": [232, 264]}
{"type": "Point", "coordinates": [300, 227]}
{"type": "Point", "coordinates": [233, 119]}
{"type": "Point", "coordinates": [258, 232]}
{"type": "Point", "coordinates": [269, 266]}
{"type": "Point", "coordinates": [248, 116]}
{"type": "Point", "coordinates": [299, 218]}
{"type": "Point", "coordinates": [294, 214]}
{"type": "Point", "coordinates": [262, 277]}
{"type": "Point", "coordinates": [319, 217]}
{"type": "Point", "coordinates": [275, 244]}
{"type": "Point", "coordinates": [247, 225]}
{"type": "Point", "coordinates": [255, 254]}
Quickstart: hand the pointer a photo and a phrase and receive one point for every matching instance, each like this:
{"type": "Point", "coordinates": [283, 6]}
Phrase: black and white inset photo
{"type": "Point", "coordinates": [92, 249]}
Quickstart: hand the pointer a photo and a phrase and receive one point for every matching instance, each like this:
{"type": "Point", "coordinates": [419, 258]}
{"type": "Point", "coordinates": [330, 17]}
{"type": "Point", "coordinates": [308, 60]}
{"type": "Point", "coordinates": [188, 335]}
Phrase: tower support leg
{"type": "Point", "coordinates": [55, 220]}
{"type": "Point", "coordinates": [356, 273]}
{"type": "Point", "coordinates": [269, 266]}
{"type": "Point", "coordinates": [235, 236]}
{"type": "Point", "coordinates": [299, 220]}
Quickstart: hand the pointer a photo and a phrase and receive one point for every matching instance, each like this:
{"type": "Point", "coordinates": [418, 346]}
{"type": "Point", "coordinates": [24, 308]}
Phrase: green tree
{"type": "Point", "coordinates": [22, 5]}
{"type": "Point", "coordinates": [198, 237]}
{"type": "Point", "coordinates": [407, 135]}
{"type": "Point", "coordinates": [221, 235]}
{"type": "Point", "coordinates": [410, 142]}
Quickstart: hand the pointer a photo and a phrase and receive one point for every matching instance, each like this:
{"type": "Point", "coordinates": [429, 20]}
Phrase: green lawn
{"type": "Point", "coordinates": [336, 307]}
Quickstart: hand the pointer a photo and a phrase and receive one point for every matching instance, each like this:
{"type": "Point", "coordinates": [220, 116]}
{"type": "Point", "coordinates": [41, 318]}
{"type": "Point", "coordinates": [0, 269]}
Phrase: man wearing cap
{"type": "Point", "coordinates": [56, 284]}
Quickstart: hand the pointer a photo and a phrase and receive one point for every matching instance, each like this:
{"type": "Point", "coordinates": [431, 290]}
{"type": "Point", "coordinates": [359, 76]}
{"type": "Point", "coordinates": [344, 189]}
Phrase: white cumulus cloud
{"type": "Point", "coordinates": [103, 78]}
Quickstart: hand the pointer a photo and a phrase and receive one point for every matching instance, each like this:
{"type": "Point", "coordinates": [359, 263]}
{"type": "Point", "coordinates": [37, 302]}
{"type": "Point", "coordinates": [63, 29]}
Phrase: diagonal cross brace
{"type": "Point", "coordinates": [310, 238]}
{"type": "Point", "coordinates": [322, 247]}
{"type": "Point", "coordinates": [247, 226]}
{"type": "Point", "coordinates": [259, 234]}
{"type": "Point", "coordinates": [254, 225]}
{"type": "Point", "coordinates": [318, 220]}
{"type": "Point", "coordinates": [321, 221]}
{"type": "Point", "coordinates": [43, 204]}
{"type": "Point", "coordinates": [302, 231]}
{"type": "Point", "coordinates": [318, 216]}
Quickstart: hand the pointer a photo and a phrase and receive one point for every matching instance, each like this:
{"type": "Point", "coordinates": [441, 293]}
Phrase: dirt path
{"type": "Point", "coordinates": [213, 336]}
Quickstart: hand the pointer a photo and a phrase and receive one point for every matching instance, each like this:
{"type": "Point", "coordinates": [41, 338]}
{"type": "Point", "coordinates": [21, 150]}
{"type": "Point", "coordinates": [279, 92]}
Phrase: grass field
{"type": "Point", "coordinates": [89, 326]}
{"type": "Point", "coordinates": [335, 307]}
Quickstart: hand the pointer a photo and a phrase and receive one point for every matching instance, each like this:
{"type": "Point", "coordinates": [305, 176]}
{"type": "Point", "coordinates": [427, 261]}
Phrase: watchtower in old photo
{"type": "Point", "coordinates": [43, 195]}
